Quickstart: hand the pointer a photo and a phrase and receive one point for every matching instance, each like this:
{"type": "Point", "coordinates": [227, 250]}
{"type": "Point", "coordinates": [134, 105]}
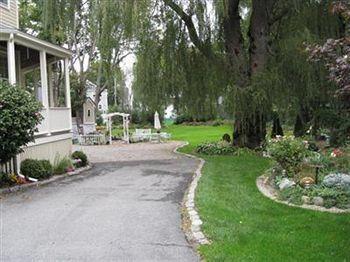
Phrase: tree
{"type": "Point", "coordinates": [20, 115]}
{"type": "Point", "coordinates": [335, 56]}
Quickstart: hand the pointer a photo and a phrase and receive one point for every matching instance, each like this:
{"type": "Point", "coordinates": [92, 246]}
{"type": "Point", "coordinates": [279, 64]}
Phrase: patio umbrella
{"type": "Point", "coordinates": [156, 121]}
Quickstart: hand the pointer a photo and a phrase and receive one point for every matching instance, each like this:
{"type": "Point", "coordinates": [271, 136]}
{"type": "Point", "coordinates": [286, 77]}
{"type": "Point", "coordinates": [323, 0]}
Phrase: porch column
{"type": "Point", "coordinates": [66, 73]}
{"type": "Point", "coordinates": [68, 102]}
{"type": "Point", "coordinates": [11, 60]}
{"type": "Point", "coordinates": [43, 78]}
{"type": "Point", "coordinates": [44, 88]}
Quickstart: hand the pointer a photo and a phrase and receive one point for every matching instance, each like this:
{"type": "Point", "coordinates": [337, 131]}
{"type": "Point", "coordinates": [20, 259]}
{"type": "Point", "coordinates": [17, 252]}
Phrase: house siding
{"type": "Point", "coordinates": [50, 151]}
{"type": "Point", "coordinates": [9, 16]}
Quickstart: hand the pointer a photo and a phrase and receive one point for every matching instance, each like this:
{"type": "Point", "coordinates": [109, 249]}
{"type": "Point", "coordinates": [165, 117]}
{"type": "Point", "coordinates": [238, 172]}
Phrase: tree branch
{"type": "Point", "coordinates": [191, 28]}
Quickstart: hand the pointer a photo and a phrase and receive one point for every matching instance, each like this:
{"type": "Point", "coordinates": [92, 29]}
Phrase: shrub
{"type": "Point", "coordinates": [19, 114]}
{"type": "Point", "coordinates": [289, 152]}
{"type": "Point", "coordinates": [215, 148]}
{"type": "Point", "coordinates": [5, 180]}
{"type": "Point", "coordinates": [46, 165]}
{"type": "Point", "coordinates": [226, 137]}
{"type": "Point", "coordinates": [82, 156]}
{"type": "Point", "coordinates": [32, 168]}
{"type": "Point", "coordinates": [61, 166]}
{"type": "Point", "coordinates": [182, 119]}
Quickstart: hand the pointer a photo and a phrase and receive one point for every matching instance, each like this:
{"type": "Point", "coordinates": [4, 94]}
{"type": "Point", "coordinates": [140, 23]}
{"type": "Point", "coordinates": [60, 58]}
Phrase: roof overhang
{"type": "Point", "coordinates": [30, 41]}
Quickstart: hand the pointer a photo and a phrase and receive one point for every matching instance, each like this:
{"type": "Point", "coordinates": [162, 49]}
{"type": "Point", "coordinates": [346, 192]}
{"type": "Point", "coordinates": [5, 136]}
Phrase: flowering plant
{"type": "Point", "coordinates": [289, 152]}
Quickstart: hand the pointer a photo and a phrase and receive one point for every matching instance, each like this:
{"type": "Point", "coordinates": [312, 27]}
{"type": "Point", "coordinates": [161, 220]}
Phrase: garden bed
{"type": "Point", "coordinates": [264, 185]}
{"type": "Point", "coordinates": [55, 178]}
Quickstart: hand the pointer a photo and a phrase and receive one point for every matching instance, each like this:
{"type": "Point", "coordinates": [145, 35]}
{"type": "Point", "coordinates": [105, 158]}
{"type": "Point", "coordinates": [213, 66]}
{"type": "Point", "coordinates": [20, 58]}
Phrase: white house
{"type": "Point", "coordinates": [42, 68]}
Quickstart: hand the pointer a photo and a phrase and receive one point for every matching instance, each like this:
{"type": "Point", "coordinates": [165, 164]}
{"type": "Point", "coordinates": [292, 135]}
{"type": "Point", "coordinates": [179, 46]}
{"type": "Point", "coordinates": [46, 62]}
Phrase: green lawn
{"type": "Point", "coordinates": [243, 225]}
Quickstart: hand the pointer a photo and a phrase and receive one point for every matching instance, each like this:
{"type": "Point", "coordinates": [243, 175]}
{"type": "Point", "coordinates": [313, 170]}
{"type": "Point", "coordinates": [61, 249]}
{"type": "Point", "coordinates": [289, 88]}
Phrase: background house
{"type": "Point", "coordinates": [42, 68]}
{"type": "Point", "coordinates": [87, 123]}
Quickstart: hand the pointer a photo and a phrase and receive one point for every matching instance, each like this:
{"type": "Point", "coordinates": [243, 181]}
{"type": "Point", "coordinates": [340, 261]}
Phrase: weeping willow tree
{"type": "Point", "coordinates": [251, 53]}
{"type": "Point", "coordinates": [300, 91]}
{"type": "Point", "coordinates": [169, 70]}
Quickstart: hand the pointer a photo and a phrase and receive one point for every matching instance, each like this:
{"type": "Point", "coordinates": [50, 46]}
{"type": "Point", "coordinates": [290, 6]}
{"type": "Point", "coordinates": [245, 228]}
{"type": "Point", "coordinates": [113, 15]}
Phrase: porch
{"type": "Point", "coordinates": [42, 69]}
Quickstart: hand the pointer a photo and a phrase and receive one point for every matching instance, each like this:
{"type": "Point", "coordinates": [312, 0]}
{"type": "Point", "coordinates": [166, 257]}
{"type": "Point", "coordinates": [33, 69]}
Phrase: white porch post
{"type": "Point", "coordinates": [43, 76]}
{"type": "Point", "coordinates": [11, 60]}
{"type": "Point", "coordinates": [68, 101]}
{"type": "Point", "coordinates": [44, 88]}
{"type": "Point", "coordinates": [66, 68]}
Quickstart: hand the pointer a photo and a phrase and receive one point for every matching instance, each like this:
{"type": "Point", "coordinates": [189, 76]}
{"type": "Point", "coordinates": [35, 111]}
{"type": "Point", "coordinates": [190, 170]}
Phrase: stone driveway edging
{"type": "Point", "coordinates": [55, 178]}
{"type": "Point", "coordinates": [195, 234]}
{"type": "Point", "coordinates": [269, 192]}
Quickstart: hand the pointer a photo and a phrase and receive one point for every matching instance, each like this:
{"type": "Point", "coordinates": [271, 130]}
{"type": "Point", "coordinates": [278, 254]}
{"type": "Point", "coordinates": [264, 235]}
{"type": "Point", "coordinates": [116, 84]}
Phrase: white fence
{"type": "Point", "coordinates": [92, 139]}
{"type": "Point", "coordinates": [9, 167]}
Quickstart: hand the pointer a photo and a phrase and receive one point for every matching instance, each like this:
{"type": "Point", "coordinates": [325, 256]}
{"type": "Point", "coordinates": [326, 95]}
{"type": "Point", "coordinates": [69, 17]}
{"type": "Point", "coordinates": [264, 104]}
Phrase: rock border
{"type": "Point", "coordinates": [268, 191]}
{"type": "Point", "coordinates": [191, 220]}
{"type": "Point", "coordinates": [55, 178]}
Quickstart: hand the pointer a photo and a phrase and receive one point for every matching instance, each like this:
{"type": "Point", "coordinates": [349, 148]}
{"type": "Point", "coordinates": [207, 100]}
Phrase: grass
{"type": "Point", "coordinates": [243, 225]}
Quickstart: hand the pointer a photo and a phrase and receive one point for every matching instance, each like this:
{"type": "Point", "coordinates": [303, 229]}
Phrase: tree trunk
{"type": "Point", "coordinates": [301, 121]}
{"type": "Point", "coordinates": [250, 130]}
{"type": "Point", "coordinates": [276, 126]}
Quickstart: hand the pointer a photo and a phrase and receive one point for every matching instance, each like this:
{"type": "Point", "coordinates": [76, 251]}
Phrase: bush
{"type": "Point", "coordinates": [289, 152]}
{"type": "Point", "coordinates": [182, 119]}
{"type": "Point", "coordinates": [82, 156]}
{"type": "Point", "coordinates": [62, 166]}
{"type": "Point", "coordinates": [215, 148]}
{"type": "Point", "coordinates": [33, 168]}
{"type": "Point", "coordinates": [226, 137]}
{"type": "Point", "coordinates": [5, 180]}
{"type": "Point", "coordinates": [46, 165]}
{"type": "Point", "coordinates": [19, 114]}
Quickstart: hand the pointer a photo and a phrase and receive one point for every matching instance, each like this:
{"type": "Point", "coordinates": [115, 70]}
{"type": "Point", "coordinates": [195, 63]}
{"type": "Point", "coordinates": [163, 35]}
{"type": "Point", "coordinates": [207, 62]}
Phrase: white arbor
{"type": "Point", "coordinates": [125, 125]}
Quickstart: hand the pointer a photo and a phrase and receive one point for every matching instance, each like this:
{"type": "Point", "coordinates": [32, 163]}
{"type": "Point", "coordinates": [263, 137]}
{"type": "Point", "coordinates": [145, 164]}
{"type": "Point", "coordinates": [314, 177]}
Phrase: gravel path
{"type": "Point", "coordinates": [127, 208]}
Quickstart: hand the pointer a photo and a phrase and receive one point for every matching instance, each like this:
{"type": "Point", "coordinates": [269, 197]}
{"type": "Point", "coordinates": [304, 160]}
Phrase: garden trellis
{"type": "Point", "coordinates": [126, 119]}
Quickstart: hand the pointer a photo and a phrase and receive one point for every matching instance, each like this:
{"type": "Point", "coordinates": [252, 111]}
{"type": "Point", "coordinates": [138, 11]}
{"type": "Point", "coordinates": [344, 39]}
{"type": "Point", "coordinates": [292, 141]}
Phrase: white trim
{"type": "Point", "coordinates": [28, 40]}
{"type": "Point", "coordinates": [49, 139]}
{"type": "Point", "coordinates": [11, 60]}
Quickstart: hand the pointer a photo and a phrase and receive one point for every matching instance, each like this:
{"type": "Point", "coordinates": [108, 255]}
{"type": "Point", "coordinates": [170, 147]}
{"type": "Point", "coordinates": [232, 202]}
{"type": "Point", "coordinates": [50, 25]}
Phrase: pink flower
{"type": "Point", "coordinates": [336, 152]}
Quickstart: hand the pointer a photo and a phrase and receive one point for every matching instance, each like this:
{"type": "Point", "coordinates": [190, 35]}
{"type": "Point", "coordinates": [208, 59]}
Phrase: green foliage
{"type": "Point", "coordinates": [19, 117]}
{"type": "Point", "coordinates": [289, 152]}
{"type": "Point", "coordinates": [48, 169]}
{"type": "Point", "coordinates": [216, 148]}
{"type": "Point", "coordinates": [180, 119]}
{"type": "Point", "coordinates": [5, 180]}
{"type": "Point", "coordinates": [33, 168]}
{"type": "Point", "coordinates": [82, 156]}
{"type": "Point", "coordinates": [292, 195]}
{"type": "Point", "coordinates": [226, 137]}
{"type": "Point", "coordinates": [62, 165]}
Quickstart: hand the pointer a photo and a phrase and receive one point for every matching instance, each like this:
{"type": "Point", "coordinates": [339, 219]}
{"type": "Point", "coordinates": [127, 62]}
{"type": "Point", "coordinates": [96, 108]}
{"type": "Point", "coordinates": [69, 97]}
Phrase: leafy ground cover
{"type": "Point", "coordinates": [243, 225]}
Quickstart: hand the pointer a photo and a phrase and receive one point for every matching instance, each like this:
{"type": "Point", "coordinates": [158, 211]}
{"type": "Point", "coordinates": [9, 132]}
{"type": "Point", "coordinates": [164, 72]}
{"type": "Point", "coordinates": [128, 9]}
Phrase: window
{"type": "Point", "coordinates": [3, 66]}
{"type": "Point", "coordinates": [89, 113]}
{"type": "Point", "coordinates": [4, 2]}
{"type": "Point", "coordinates": [56, 83]}
{"type": "Point", "coordinates": [99, 106]}
{"type": "Point", "coordinates": [32, 82]}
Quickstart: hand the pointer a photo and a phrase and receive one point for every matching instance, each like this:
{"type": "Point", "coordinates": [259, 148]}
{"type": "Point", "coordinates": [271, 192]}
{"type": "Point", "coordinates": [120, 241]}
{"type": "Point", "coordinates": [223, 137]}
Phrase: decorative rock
{"type": "Point", "coordinates": [337, 180]}
{"type": "Point", "coordinates": [318, 201]}
{"type": "Point", "coordinates": [286, 183]}
{"type": "Point", "coordinates": [307, 182]}
{"type": "Point", "coordinates": [306, 200]}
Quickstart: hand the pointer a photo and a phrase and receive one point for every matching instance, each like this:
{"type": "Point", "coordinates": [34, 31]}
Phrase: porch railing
{"type": "Point", "coordinates": [9, 167]}
{"type": "Point", "coordinates": [91, 139]}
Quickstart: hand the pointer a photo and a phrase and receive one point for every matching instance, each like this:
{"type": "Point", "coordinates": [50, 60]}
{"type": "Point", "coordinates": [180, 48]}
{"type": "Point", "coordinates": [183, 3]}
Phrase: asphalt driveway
{"type": "Point", "coordinates": [121, 210]}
